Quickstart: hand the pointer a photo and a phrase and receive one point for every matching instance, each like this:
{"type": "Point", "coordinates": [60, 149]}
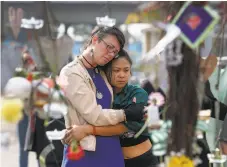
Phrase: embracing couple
{"type": "Point", "coordinates": [105, 110]}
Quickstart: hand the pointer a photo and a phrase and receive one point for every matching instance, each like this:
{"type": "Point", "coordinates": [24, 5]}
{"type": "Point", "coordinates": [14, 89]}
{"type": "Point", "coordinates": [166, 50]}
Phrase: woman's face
{"type": "Point", "coordinates": [121, 72]}
{"type": "Point", "coordinates": [105, 49]}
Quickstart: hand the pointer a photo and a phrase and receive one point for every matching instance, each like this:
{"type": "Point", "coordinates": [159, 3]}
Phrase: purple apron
{"type": "Point", "coordinates": [108, 151]}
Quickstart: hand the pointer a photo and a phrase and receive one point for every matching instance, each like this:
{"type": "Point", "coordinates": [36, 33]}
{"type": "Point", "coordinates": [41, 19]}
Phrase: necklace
{"type": "Point", "coordinates": [99, 95]}
{"type": "Point", "coordinates": [93, 72]}
{"type": "Point", "coordinates": [88, 62]}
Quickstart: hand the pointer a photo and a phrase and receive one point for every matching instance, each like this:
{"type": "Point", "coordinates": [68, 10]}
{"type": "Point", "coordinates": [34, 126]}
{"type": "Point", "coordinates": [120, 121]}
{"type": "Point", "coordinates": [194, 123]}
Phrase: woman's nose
{"type": "Point", "coordinates": [121, 74]}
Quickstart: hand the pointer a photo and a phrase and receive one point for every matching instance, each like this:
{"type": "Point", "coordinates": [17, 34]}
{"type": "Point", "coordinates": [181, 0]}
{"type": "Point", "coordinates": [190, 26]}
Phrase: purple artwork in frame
{"type": "Point", "coordinates": [194, 21]}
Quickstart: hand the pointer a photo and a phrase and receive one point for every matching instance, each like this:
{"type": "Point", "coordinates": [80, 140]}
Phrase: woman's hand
{"type": "Point", "coordinates": [77, 133]}
{"type": "Point", "coordinates": [135, 112]}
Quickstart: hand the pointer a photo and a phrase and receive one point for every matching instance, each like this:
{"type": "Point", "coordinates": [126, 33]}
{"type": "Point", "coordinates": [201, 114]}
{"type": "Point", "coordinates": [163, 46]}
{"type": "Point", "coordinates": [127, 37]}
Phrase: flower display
{"type": "Point", "coordinates": [180, 161]}
{"type": "Point", "coordinates": [75, 152]}
{"type": "Point", "coordinates": [156, 99]}
{"type": "Point", "coordinates": [11, 109]}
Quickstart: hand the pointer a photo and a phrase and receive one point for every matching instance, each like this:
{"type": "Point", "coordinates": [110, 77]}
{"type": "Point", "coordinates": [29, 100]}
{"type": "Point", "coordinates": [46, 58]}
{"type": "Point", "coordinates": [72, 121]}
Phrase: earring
{"type": "Point", "coordinates": [92, 52]}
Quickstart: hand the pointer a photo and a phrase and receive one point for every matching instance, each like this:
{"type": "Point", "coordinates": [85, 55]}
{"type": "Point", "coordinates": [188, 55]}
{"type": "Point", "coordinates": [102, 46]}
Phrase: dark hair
{"type": "Point", "coordinates": [101, 32]}
{"type": "Point", "coordinates": [124, 54]}
{"type": "Point", "coordinates": [108, 67]}
{"type": "Point", "coordinates": [183, 101]}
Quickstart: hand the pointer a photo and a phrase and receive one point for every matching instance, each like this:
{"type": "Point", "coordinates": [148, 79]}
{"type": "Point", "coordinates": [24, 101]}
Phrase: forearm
{"type": "Point", "coordinates": [106, 130]}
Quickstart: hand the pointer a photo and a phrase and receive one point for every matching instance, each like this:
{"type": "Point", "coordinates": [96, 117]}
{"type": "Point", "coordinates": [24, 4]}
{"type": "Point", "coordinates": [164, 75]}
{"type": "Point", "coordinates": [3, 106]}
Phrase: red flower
{"type": "Point", "coordinates": [75, 152]}
{"type": "Point", "coordinates": [30, 77]}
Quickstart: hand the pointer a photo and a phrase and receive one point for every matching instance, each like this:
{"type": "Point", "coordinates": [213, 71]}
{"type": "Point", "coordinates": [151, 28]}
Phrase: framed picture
{"type": "Point", "coordinates": [195, 23]}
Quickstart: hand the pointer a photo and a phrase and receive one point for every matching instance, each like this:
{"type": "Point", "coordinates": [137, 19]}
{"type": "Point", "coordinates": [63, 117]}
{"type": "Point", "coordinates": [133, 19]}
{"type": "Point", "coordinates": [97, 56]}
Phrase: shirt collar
{"type": "Point", "coordinates": [124, 90]}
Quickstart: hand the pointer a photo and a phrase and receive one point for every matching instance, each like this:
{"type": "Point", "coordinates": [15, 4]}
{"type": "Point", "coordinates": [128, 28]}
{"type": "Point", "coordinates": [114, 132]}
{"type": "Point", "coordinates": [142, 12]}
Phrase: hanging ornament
{"type": "Point", "coordinates": [32, 23]}
{"type": "Point", "coordinates": [105, 21]}
{"type": "Point", "coordinates": [195, 22]}
{"type": "Point", "coordinates": [173, 53]}
{"type": "Point", "coordinates": [11, 109]}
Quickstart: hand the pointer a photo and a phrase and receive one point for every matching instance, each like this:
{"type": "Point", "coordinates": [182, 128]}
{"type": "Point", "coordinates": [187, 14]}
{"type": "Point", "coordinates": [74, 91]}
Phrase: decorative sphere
{"type": "Point", "coordinates": [18, 87]}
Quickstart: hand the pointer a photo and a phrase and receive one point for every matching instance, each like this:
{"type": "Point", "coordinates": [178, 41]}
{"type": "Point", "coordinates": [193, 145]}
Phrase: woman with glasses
{"type": "Point", "coordinates": [90, 95]}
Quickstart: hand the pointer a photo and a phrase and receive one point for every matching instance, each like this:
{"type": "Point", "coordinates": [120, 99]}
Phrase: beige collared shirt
{"type": "Point", "coordinates": [81, 93]}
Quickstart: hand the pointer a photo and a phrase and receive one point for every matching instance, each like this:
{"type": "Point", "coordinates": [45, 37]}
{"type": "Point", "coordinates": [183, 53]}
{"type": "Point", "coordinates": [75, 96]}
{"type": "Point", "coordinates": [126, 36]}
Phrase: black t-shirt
{"type": "Point", "coordinates": [41, 141]}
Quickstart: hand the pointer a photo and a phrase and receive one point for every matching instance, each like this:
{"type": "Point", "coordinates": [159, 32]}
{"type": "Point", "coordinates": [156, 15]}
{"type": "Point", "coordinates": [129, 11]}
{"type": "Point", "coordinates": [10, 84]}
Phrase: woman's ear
{"type": "Point", "coordinates": [94, 39]}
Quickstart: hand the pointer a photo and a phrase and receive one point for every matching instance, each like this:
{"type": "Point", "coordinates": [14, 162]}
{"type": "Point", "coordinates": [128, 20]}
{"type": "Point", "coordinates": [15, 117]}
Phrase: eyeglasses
{"type": "Point", "coordinates": [110, 48]}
